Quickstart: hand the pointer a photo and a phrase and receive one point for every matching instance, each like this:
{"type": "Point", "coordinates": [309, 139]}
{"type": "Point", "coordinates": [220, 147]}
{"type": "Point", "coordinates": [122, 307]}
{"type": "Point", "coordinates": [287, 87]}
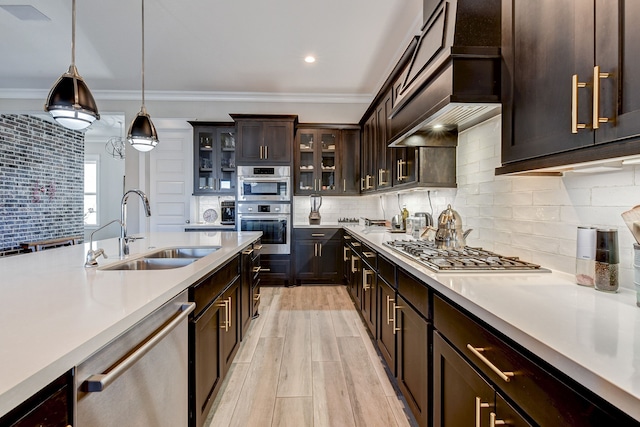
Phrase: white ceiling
{"type": "Point", "coordinates": [241, 47]}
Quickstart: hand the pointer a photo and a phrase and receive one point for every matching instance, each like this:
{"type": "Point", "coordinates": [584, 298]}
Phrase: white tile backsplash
{"type": "Point", "coordinates": [534, 218]}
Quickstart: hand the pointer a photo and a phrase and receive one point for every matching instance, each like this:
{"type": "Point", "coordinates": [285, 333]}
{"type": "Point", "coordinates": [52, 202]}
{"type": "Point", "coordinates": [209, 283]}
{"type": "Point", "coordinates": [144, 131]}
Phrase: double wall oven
{"type": "Point", "coordinates": [264, 204]}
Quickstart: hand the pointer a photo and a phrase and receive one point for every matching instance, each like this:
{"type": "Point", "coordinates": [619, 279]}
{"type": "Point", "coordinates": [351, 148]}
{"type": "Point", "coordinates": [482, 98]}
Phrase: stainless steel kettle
{"type": "Point", "coordinates": [450, 234]}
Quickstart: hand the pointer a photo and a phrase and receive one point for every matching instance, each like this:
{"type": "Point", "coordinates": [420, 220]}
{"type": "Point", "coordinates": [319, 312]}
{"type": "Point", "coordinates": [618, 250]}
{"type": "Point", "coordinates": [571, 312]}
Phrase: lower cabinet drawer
{"type": "Point", "coordinates": [540, 391]}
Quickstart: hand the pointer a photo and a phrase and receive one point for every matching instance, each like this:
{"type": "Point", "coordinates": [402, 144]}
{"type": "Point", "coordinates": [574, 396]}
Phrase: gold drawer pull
{"type": "Point", "coordinates": [477, 351]}
{"type": "Point", "coordinates": [389, 300]}
{"type": "Point", "coordinates": [597, 75]}
{"type": "Point", "coordinates": [493, 422]}
{"type": "Point", "coordinates": [257, 297]}
{"type": "Point", "coordinates": [479, 405]}
{"type": "Point", "coordinates": [247, 252]}
{"type": "Point", "coordinates": [575, 85]}
{"type": "Point", "coordinates": [257, 269]}
{"type": "Point", "coordinates": [369, 254]}
{"type": "Point", "coordinates": [257, 247]}
{"type": "Point", "coordinates": [317, 234]}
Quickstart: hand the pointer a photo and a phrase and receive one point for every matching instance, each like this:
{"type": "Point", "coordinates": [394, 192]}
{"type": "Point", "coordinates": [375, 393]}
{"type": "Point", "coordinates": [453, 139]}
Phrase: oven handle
{"type": "Point", "coordinates": [250, 179]}
{"type": "Point", "coordinates": [264, 216]}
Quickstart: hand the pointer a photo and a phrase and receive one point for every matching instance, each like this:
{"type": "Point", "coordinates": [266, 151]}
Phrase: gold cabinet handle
{"type": "Point", "coordinates": [225, 323]}
{"type": "Point", "coordinates": [347, 237]}
{"type": "Point", "coordinates": [266, 152]}
{"type": "Point", "coordinates": [365, 283]}
{"type": "Point", "coordinates": [369, 254]}
{"type": "Point", "coordinates": [345, 255]}
{"type": "Point", "coordinates": [317, 234]}
{"type": "Point", "coordinates": [265, 270]}
{"type": "Point", "coordinates": [493, 421]}
{"type": "Point", "coordinates": [257, 297]}
{"type": "Point", "coordinates": [261, 151]}
{"type": "Point", "coordinates": [369, 184]}
{"type": "Point", "coordinates": [257, 247]}
{"type": "Point", "coordinates": [401, 174]}
{"type": "Point", "coordinates": [229, 314]}
{"type": "Point", "coordinates": [320, 250]}
{"type": "Point", "coordinates": [477, 351]}
{"type": "Point", "coordinates": [356, 244]}
{"type": "Point", "coordinates": [395, 317]}
{"type": "Point", "coordinates": [353, 263]}
{"type": "Point", "coordinates": [597, 75]}
{"type": "Point", "coordinates": [247, 252]}
{"type": "Point", "coordinates": [479, 405]}
{"type": "Point", "coordinates": [362, 184]}
{"type": "Point", "coordinates": [575, 85]}
{"type": "Point", "coordinates": [257, 269]}
{"type": "Point", "coordinates": [389, 300]}
{"type": "Point", "coordinates": [344, 185]}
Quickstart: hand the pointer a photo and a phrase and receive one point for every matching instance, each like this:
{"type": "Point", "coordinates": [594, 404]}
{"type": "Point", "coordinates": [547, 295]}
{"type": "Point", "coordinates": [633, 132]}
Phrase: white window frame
{"type": "Point", "coordinates": [94, 159]}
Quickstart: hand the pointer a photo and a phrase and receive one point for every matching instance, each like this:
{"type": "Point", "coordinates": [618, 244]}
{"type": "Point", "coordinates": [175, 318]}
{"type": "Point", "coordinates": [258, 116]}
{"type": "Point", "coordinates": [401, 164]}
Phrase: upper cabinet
{"type": "Point", "coordinates": [326, 160]}
{"type": "Point", "coordinates": [264, 139]}
{"type": "Point", "coordinates": [569, 89]}
{"type": "Point", "coordinates": [214, 153]}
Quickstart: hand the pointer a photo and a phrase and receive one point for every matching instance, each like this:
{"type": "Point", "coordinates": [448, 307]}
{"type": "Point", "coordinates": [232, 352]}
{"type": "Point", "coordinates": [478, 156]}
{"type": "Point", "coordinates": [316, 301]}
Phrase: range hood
{"type": "Point", "coordinates": [453, 79]}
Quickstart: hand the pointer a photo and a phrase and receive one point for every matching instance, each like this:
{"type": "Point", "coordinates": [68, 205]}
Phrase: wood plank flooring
{"type": "Point", "coordinates": [307, 362]}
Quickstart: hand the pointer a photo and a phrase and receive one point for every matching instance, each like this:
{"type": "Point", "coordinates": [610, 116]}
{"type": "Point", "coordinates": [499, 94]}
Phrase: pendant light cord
{"type": "Point", "coordinates": [73, 35]}
{"type": "Point", "coordinates": [143, 107]}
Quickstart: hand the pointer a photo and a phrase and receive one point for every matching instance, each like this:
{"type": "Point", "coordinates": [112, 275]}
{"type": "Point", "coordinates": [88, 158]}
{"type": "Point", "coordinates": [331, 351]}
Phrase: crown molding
{"type": "Point", "coordinates": [195, 96]}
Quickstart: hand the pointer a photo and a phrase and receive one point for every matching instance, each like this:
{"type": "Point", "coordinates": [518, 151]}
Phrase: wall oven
{"type": "Point", "coordinates": [264, 183]}
{"type": "Point", "coordinates": [273, 219]}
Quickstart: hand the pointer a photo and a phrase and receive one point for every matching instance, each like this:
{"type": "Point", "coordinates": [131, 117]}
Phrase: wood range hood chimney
{"type": "Point", "coordinates": [452, 81]}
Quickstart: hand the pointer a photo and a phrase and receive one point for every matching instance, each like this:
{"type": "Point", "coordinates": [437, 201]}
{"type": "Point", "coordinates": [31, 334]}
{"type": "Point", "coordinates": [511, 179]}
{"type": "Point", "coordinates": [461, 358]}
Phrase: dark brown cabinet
{"type": "Point", "coordinates": [317, 255]}
{"type": "Point", "coordinates": [214, 336]}
{"type": "Point", "coordinates": [386, 336]}
{"type": "Point", "coordinates": [413, 332]}
{"type": "Point", "coordinates": [349, 164]}
{"type": "Point", "coordinates": [326, 160]}
{"type": "Point", "coordinates": [264, 139]}
{"type": "Point", "coordinates": [52, 407]}
{"type": "Point", "coordinates": [214, 153]}
{"type": "Point", "coordinates": [368, 150]}
{"type": "Point", "coordinates": [569, 94]}
{"type": "Point", "coordinates": [383, 154]}
{"type": "Point", "coordinates": [462, 397]}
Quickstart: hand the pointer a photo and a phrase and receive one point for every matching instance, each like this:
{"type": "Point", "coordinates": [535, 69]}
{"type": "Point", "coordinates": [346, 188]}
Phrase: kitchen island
{"type": "Point", "coordinates": [56, 312]}
{"type": "Point", "coordinates": [591, 337]}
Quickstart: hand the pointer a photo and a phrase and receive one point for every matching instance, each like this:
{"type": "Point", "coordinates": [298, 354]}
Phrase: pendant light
{"type": "Point", "coordinates": [142, 133]}
{"type": "Point", "coordinates": [70, 102]}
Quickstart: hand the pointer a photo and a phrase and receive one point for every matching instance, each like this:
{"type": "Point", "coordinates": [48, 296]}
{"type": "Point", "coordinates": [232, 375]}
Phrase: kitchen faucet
{"type": "Point", "coordinates": [92, 256]}
{"type": "Point", "coordinates": [124, 239]}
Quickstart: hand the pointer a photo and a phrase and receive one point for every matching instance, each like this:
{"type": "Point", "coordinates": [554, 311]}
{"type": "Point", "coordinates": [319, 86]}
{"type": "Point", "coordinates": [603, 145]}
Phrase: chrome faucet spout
{"type": "Point", "coordinates": [124, 239]}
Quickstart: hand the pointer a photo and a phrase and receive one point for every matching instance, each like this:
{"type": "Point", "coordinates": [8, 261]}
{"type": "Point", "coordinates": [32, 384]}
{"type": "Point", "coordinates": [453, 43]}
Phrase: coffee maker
{"type": "Point", "coordinates": [228, 208]}
{"type": "Point", "coordinates": [316, 202]}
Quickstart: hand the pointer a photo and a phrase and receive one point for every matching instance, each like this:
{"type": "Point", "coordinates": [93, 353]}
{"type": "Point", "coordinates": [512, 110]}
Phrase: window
{"type": "Point", "coordinates": [91, 189]}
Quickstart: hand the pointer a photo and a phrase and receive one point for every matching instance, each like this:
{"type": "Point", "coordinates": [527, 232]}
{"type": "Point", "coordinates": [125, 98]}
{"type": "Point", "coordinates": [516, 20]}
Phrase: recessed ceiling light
{"type": "Point", "coordinates": [436, 127]}
{"type": "Point", "coordinates": [25, 12]}
{"type": "Point", "coordinates": [310, 59]}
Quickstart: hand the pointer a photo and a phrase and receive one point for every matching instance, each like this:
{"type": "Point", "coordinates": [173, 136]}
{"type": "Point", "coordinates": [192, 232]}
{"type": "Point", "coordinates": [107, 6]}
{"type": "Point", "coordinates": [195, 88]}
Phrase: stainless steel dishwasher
{"type": "Point", "coordinates": [140, 378]}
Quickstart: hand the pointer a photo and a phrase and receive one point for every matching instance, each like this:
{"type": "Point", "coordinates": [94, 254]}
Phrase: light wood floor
{"type": "Point", "coordinates": [307, 361]}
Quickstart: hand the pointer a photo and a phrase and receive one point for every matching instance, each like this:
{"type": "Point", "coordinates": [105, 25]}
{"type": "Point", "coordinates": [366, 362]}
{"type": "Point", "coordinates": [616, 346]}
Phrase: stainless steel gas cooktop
{"type": "Point", "coordinates": [467, 259]}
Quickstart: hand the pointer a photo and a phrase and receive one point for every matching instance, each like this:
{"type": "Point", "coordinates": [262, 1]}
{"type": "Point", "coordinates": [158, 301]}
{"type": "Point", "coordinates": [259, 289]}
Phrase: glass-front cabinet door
{"type": "Point", "coordinates": [214, 159]}
{"type": "Point", "coordinates": [316, 161]}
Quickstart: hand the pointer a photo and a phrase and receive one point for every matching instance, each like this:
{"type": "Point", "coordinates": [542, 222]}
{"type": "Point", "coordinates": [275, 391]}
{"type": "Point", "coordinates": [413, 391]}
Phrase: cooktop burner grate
{"type": "Point", "coordinates": [467, 259]}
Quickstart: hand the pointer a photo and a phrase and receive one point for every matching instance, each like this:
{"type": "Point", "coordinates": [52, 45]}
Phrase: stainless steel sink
{"type": "Point", "coordinates": [194, 252]}
{"type": "Point", "coordinates": [151, 264]}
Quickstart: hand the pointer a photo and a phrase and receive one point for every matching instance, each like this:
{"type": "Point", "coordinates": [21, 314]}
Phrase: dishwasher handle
{"type": "Point", "coordinates": [99, 382]}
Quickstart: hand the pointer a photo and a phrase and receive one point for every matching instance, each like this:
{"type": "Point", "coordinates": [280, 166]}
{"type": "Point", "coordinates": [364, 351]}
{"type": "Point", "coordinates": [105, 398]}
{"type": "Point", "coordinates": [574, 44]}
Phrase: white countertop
{"type": "Point", "coordinates": [55, 313]}
{"type": "Point", "coordinates": [592, 336]}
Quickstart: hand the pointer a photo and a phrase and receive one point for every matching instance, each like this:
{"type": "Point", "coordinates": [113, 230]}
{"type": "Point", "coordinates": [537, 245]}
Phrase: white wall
{"type": "Point", "coordinates": [110, 192]}
{"type": "Point", "coordinates": [534, 218]}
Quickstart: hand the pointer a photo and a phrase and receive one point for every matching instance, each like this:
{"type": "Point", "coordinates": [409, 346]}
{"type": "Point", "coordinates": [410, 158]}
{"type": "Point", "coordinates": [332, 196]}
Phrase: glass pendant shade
{"type": "Point", "coordinates": [70, 102]}
{"type": "Point", "coordinates": [142, 133]}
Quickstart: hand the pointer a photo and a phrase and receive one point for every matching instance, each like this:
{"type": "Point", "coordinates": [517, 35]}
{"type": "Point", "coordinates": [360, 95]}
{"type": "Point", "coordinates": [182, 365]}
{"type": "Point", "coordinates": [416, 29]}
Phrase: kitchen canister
{"type": "Point", "coordinates": [607, 260]}
{"type": "Point", "coordinates": [586, 256]}
{"type": "Point", "coordinates": [636, 271]}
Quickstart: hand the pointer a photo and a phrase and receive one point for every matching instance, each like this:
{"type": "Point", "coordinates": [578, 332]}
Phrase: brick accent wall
{"type": "Point", "coordinates": [41, 181]}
